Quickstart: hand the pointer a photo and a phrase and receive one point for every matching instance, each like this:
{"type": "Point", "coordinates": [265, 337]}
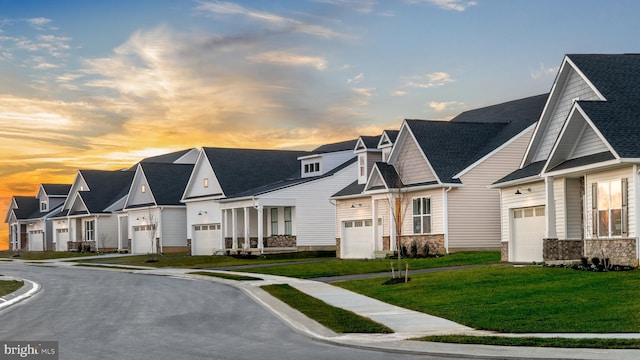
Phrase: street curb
{"type": "Point", "coordinates": [29, 289]}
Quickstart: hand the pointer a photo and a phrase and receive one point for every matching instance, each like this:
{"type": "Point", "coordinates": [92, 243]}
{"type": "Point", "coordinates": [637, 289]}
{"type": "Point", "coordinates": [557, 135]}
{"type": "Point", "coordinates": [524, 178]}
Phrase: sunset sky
{"type": "Point", "coordinates": [101, 84]}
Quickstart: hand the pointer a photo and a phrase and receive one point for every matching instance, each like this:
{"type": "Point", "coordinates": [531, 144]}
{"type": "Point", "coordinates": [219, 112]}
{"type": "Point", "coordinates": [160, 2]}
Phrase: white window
{"type": "Point", "coordinates": [361, 165]}
{"type": "Point", "coordinates": [312, 167]}
{"type": "Point", "coordinates": [206, 182]}
{"type": "Point", "coordinates": [422, 215]}
{"type": "Point", "coordinates": [609, 208]}
{"type": "Point", "coordinates": [274, 221]}
{"type": "Point", "coordinates": [89, 230]}
{"type": "Point", "coordinates": [43, 206]}
{"type": "Point", "coordinates": [287, 221]}
{"type": "Point", "coordinates": [143, 188]}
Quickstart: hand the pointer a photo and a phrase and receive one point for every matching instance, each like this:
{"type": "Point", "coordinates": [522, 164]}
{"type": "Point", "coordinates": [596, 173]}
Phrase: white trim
{"type": "Point", "coordinates": [584, 168]}
{"type": "Point", "coordinates": [493, 152]}
{"type": "Point", "coordinates": [526, 180]}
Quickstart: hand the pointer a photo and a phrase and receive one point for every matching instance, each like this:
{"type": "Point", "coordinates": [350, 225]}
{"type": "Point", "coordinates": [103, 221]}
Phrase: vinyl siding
{"type": "Point", "coordinates": [315, 216]}
{"type": "Point", "coordinates": [174, 220]}
{"type": "Point", "coordinates": [345, 211]}
{"type": "Point", "coordinates": [575, 87]}
{"type": "Point", "coordinates": [573, 206]}
{"type": "Point", "coordinates": [611, 175]}
{"type": "Point", "coordinates": [107, 232]}
{"type": "Point", "coordinates": [560, 206]}
{"type": "Point", "coordinates": [209, 211]}
{"type": "Point", "coordinates": [436, 211]}
{"type": "Point", "coordinates": [590, 143]}
{"type": "Point", "coordinates": [510, 201]}
{"type": "Point", "coordinates": [412, 167]}
{"type": "Point", "coordinates": [474, 209]}
{"type": "Point", "coordinates": [202, 171]}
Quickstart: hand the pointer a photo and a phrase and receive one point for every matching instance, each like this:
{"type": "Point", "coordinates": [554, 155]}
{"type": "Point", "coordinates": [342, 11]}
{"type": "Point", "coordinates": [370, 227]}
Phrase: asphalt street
{"type": "Point", "coordinates": [96, 314]}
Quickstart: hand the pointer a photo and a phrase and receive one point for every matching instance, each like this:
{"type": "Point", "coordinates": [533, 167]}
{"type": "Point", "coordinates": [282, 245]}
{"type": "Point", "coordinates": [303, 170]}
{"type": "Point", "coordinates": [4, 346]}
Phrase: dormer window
{"type": "Point", "coordinates": [206, 182]}
{"type": "Point", "coordinates": [362, 165]}
{"type": "Point", "coordinates": [143, 188]}
{"type": "Point", "coordinates": [43, 206]}
{"type": "Point", "coordinates": [311, 167]}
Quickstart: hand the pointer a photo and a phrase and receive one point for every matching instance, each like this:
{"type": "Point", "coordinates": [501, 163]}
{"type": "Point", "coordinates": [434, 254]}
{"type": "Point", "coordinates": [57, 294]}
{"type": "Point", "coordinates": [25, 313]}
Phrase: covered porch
{"type": "Point", "coordinates": [259, 226]}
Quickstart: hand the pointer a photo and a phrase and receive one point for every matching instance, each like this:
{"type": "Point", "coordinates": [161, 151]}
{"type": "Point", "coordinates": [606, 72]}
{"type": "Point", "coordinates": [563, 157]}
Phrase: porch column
{"type": "Point", "coordinates": [234, 229]}
{"type": "Point", "coordinates": [392, 224]}
{"type": "Point", "coordinates": [119, 233]}
{"type": "Point", "coordinates": [260, 229]}
{"type": "Point", "coordinates": [247, 228]}
{"type": "Point", "coordinates": [223, 228]}
{"type": "Point", "coordinates": [96, 234]}
{"type": "Point", "coordinates": [551, 209]}
{"type": "Point", "coordinates": [374, 222]}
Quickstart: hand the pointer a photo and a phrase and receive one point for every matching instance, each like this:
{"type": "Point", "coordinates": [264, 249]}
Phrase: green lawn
{"type": "Point", "coordinates": [336, 319]}
{"type": "Point", "coordinates": [519, 299]}
{"type": "Point", "coordinates": [539, 342]}
{"type": "Point", "coordinates": [184, 260]}
{"type": "Point", "coordinates": [42, 255]}
{"type": "Point", "coordinates": [225, 276]}
{"type": "Point", "coordinates": [7, 287]}
{"type": "Point", "coordinates": [347, 267]}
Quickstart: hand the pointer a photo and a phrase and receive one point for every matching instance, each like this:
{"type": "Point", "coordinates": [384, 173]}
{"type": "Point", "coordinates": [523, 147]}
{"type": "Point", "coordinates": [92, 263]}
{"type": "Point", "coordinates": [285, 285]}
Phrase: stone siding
{"type": "Point", "coordinates": [386, 243]}
{"type": "Point", "coordinates": [618, 251]}
{"type": "Point", "coordinates": [281, 241]}
{"type": "Point", "coordinates": [436, 243]}
{"type": "Point", "coordinates": [555, 249]}
{"type": "Point", "coordinates": [338, 253]}
{"type": "Point", "coordinates": [504, 251]}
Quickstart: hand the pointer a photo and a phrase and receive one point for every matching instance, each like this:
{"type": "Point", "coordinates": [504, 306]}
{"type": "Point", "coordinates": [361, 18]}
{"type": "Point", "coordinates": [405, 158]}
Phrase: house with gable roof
{"type": "Point", "coordinates": [155, 216]}
{"type": "Point", "coordinates": [265, 200]}
{"type": "Point", "coordinates": [575, 192]}
{"type": "Point", "coordinates": [87, 221]}
{"type": "Point", "coordinates": [29, 218]}
{"type": "Point", "coordinates": [432, 189]}
{"type": "Point", "coordinates": [91, 218]}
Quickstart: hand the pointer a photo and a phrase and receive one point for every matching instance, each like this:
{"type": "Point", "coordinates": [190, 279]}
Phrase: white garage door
{"type": "Point", "coordinates": [142, 243]}
{"type": "Point", "coordinates": [528, 232]}
{"type": "Point", "coordinates": [36, 240]}
{"type": "Point", "coordinates": [62, 239]}
{"type": "Point", "coordinates": [206, 239]}
{"type": "Point", "coordinates": [357, 240]}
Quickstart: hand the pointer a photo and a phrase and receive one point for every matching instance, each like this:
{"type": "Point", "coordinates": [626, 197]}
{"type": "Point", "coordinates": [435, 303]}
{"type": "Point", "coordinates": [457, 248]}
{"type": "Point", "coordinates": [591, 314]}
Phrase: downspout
{"type": "Point", "coordinates": [445, 218]}
{"type": "Point", "coordinates": [636, 203]}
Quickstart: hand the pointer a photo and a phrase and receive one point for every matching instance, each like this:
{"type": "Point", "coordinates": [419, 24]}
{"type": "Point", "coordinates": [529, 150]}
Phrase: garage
{"type": "Point", "coordinates": [62, 239]}
{"type": "Point", "coordinates": [141, 242]}
{"type": "Point", "coordinates": [357, 238]}
{"type": "Point", "coordinates": [528, 232]}
{"type": "Point", "coordinates": [36, 240]}
{"type": "Point", "coordinates": [206, 240]}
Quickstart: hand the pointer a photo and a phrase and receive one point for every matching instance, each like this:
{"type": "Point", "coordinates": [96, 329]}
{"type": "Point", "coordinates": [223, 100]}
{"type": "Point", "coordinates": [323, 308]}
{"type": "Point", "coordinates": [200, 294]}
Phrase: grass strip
{"type": "Point", "coordinates": [108, 266]}
{"type": "Point", "coordinates": [530, 299]}
{"type": "Point", "coordinates": [338, 267]}
{"type": "Point", "coordinates": [186, 261]}
{"type": "Point", "coordinates": [336, 319]}
{"type": "Point", "coordinates": [9, 286]}
{"type": "Point", "coordinates": [594, 343]}
{"type": "Point", "coordinates": [225, 276]}
{"type": "Point", "coordinates": [42, 255]}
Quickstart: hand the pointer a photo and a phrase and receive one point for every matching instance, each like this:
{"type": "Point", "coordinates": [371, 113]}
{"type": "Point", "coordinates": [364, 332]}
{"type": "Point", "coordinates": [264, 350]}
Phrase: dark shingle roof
{"type": "Point", "coordinates": [339, 146]}
{"type": "Point", "coordinates": [617, 78]}
{"type": "Point", "coordinates": [352, 189]}
{"type": "Point", "coordinates": [166, 158]}
{"type": "Point", "coordinates": [532, 169]}
{"type": "Point", "coordinates": [452, 146]}
{"type": "Point", "coordinates": [389, 175]}
{"type": "Point", "coordinates": [57, 189]}
{"type": "Point", "coordinates": [371, 142]}
{"type": "Point", "coordinates": [105, 187]}
{"type": "Point", "coordinates": [240, 170]}
{"type": "Point", "coordinates": [584, 160]}
{"type": "Point", "coordinates": [392, 134]}
{"type": "Point", "coordinates": [28, 207]}
{"type": "Point", "coordinates": [167, 181]}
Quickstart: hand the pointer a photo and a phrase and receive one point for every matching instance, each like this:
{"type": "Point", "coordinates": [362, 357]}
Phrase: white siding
{"type": "Point", "coordinates": [106, 228]}
{"type": "Point", "coordinates": [560, 207]}
{"type": "Point", "coordinates": [590, 143]}
{"type": "Point", "coordinates": [474, 209]}
{"type": "Point", "coordinates": [351, 209]}
{"type": "Point", "coordinates": [315, 216]}
{"type": "Point", "coordinates": [136, 194]}
{"type": "Point", "coordinates": [611, 175]}
{"type": "Point", "coordinates": [202, 212]}
{"type": "Point", "coordinates": [196, 186]}
{"type": "Point", "coordinates": [412, 167]}
{"type": "Point", "coordinates": [174, 221]}
{"type": "Point", "coordinates": [510, 201]}
{"type": "Point", "coordinates": [573, 207]}
{"type": "Point", "coordinates": [575, 87]}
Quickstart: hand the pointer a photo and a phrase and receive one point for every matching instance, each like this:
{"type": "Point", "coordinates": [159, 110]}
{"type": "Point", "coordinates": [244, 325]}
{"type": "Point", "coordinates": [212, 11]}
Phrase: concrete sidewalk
{"type": "Point", "coordinates": [407, 324]}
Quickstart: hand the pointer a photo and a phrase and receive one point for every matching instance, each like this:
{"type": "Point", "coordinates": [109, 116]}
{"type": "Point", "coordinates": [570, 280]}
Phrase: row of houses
{"type": "Point", "coordinates": [548, 177]}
